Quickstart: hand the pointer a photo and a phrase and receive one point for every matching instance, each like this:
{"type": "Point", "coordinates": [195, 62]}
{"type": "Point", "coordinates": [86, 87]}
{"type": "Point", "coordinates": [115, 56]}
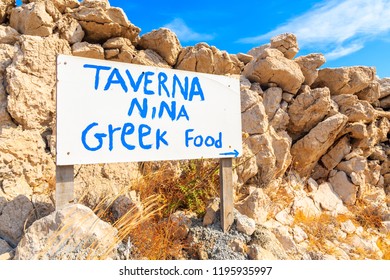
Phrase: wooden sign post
{"type": "Point", "coordinates": [226, 193]}
{"type": "Point", "coordinates": [111, 112]}
{"type": "Point", "coordinates": [64, 186]}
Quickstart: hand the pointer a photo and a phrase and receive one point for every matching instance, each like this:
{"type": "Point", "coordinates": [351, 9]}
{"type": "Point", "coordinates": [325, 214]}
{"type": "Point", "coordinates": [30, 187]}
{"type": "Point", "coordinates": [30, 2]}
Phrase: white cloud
{"type": "Point", "coordinates": [338, 27]}
{"type": "Point", "coordinates": [185, 33]}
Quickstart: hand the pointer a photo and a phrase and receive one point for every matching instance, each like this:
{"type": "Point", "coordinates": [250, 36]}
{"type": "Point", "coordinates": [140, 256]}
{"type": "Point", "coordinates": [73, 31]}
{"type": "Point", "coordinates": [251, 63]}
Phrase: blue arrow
{"type": "Point", "coordinates": [234, 153]}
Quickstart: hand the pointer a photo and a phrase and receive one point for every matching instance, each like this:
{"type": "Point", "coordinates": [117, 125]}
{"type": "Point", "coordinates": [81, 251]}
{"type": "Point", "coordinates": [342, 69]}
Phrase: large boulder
{"type": "Point", "coordinates": [31, 80]}
{"type": "Point", "coordinates": [356, 110]}
{"type": "Point", "coordinates": [345, 80]}
{"type": "Point", "coordinates": [74, 233]}
{"type": "Point", "coordinates": [307, 151]}
{"type": "Point", "coordinates": [164, 42]}
{"type": "Point", "coordinates": [101, 22]}
{"type": "Point", "coordinates": [272, 67]}
{"type": "Point", "coordinates": [309, 65]}
{"type": "Point", "coordinates": [32, 19]}
{"type": "Point", "coordinates": [206, 59]}
{"type": "Point", "coordinates": [309, 108]}
{"type": "Point", "coordinates": [286, 43]}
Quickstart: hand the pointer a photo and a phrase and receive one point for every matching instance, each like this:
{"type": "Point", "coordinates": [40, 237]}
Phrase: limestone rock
{"type": "Point", "coordinates": [370, 93]}
{"type": "Point", "coordinates": [385, 102]}
{"type": "Point", "coordinates": [16, 214]}
{"type": "Point", "coordinates": [150, 58]}
{"type": "Point", "coordinates": [306, 206]}
{"type": "Point", "coordinates": [164, 42]}
{"type": "Point", "coordinates": [206, 59]}
{"type": "Point", "coordinates": [355, 109]}
{"type": "Point", "coordinates": [309, 65]}
{"type": "Point", "coordinates": [85, 49]}
{"type": "Point", "coordinates": [308, 150]}
{"type": "Point", "coordinates": [125, 204]}
{"type": "Point", "coordinates": [101, 22]}
{"type": "Point", "coordinates": [70, 29]}
{"type": "Point", "coordinates": [244, 58]}
{"type": "Point", "coordinates": [24, 163]}
{"type": "Point", "coordinates": [5, 9]}
{"type": "Point", "coordinates": [272, 66]}
{"type": "Point", "coordinates": [8, 35]}
{"type": "Point", "coordinates": [245, 224]}
{"type": "Point", "coordinates": [328, 199]}
{"type": "Point", "coordinates": [32, 19]}
{"type": "Point", "coordinates": [6, 55]}
{"type": "Point", "coordinates": [74, 233]}
{"type": "Point", "coordinates": [355, 164]}
{"type": "Point", "coordinates": [119, 49]}
{"type": "Point", "coordinates": [61, 5]}
{"type": "Point", "coordinates": [258, 253]}
{"type": "Point", "coordinates": [308, 109]}
{"type": "Point", "coordinates": [181, 224]}
{"type": "Point", "coordinates": [286, 43]}
{"type": "Point", "coordinates": [271, 99]}
{"type": "Point", "coordinates": [272, 150]}
{"type": "Point", "coordinates": [255, 206]}
{"type": "Point", "coordinates": [249, 98]}
{"type": "Point", "coordinates": [345, 80]}
{"type": "Point", "coordinates": [281, 144]}
{"type": "Point", "coordinates": [257, 51]}
{"type": "Point", "coordinates": [211, 212]}
{"type": "Point", "coordinates": [254, 120]}
{"type": "Point", "coordinates": [384, 87]}
{"type": "Point", "coordinates": [357, 130]}
{"type": "Point", "coordinates": [246, 165]}
{"type": "Point", "coordinates": [344, 188]}
{"type": "Point", "coordinates": [285, 238]}
{"type": "Point", "coordinates": [31, 80]}
{"type": "Point", "coordinates": [266, 239]}
{"type": "Point", "coordinates": [334, 156]}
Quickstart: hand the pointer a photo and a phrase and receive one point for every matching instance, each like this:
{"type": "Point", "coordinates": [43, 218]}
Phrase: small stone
{"type": "Point", "coordinates": [211, 212]}
{"type": "Point", "coordinates": [348, 227]}
{"type": "Point", "coordinates": [245, 224]}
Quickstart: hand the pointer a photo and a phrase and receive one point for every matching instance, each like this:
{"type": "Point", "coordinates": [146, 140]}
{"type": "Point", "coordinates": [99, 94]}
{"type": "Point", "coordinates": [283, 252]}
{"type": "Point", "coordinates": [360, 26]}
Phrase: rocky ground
{"type": "Point", "coordinates": [313, 182]}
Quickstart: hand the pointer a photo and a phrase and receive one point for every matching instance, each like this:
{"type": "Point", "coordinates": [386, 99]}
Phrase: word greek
{"type": "Point", "coordinates": [94, 137]}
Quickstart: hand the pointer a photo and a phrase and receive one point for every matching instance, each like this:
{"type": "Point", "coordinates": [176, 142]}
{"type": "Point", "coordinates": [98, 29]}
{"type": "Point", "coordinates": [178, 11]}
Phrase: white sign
{"type": "Point", "coordinates": [117, 112]}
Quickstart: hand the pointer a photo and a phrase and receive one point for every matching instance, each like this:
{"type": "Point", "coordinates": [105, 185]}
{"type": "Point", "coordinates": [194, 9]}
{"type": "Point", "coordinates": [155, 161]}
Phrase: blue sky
{"type": "Point", "coordinates": [347, 32]}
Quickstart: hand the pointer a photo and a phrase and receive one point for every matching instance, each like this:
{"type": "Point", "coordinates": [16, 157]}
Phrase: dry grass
{"type": "Point", "coordinates": [167, 191]}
